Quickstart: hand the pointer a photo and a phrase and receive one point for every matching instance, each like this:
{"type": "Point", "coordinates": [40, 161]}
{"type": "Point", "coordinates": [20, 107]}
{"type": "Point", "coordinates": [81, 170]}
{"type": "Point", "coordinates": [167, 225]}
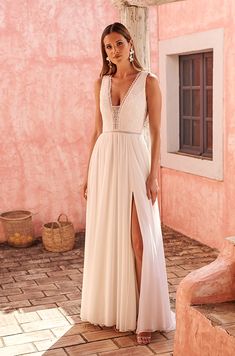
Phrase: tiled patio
{"type": "Point", "coordinates": [40, 296]}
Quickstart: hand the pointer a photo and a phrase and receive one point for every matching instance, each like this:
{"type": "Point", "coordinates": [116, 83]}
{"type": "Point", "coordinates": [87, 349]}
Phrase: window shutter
{"type": "Point", "coordinates": [196, 104]}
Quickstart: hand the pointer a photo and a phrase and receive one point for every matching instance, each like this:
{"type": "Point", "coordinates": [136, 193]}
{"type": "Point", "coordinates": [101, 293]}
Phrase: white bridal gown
{"type": "Point", "coordinates": [119, 167]}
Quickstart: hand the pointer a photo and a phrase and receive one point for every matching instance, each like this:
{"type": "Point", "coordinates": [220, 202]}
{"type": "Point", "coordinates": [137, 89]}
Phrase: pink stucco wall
{"type": "Point", "coordinates": [49, 58]}
{"type": "Point", "coordinates": [203, 208]}
{"type": "Point", "coordinates": [50, 55]}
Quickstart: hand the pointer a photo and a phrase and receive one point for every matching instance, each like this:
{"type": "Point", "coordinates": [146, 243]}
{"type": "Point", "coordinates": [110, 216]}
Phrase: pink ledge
{"type": "Point", "coordinates": [215, 283]}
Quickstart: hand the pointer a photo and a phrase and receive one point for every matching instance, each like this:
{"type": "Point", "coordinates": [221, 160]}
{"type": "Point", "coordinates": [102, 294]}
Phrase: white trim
{"type": "Point", "coordinates": [169, 51]}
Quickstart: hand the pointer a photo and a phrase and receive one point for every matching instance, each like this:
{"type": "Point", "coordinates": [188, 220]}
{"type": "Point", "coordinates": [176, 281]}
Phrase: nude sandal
{"type": "Point", "coordinates": [143, 340]}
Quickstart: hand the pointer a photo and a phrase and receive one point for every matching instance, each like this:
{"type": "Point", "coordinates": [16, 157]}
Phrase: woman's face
{"type": "Point", "coordinates": [117, 47]}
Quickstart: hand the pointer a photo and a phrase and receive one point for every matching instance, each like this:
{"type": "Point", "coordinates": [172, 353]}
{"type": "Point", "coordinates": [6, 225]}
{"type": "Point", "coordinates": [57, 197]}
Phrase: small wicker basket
{"type": "Point", "coordinates": [58, 236]}
{"type": "Point", "coordinates": [18, 228]}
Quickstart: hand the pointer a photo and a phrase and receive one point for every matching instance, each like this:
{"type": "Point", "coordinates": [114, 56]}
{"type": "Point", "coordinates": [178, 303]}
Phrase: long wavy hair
{"type": "Point", "coordinates": [122, 30]}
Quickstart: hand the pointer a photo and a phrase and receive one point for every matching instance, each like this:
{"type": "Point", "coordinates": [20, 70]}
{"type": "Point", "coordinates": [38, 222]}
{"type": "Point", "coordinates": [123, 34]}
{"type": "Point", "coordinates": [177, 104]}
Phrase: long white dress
{"type": "Point", "coordinates": [118, 169]}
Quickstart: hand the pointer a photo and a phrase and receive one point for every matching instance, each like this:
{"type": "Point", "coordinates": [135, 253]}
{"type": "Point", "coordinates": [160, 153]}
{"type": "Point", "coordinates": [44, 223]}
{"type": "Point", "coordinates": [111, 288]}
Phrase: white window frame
{"type": "Point", "coordinates": [169, 51]}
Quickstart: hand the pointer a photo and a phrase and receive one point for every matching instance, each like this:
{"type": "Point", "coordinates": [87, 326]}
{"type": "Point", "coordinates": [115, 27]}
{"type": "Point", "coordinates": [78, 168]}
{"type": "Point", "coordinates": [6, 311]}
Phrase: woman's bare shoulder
{"type": "Point", "coordinates": [152, 79]}
{"type": "Point", "coordinates": [152, 84]}
{"type": "Point", "coordinates": [97, 82]}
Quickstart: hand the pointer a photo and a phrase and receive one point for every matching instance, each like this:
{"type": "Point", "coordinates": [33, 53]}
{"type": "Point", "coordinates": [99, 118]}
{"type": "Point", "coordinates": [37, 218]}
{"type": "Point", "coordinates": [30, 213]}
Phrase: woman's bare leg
{"type": "Point", "coordinates": [137, 243]}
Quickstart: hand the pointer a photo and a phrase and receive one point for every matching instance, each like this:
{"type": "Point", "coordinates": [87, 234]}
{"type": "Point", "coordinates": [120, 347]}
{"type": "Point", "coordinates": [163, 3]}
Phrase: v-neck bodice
{"type": "Point", "coordinates": [126, 93]}
{"type": "Point", "coordinates": [130, 115]}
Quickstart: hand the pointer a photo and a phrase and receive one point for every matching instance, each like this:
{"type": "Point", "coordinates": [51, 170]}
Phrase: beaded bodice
{"type": "Point", "coordinates": [115, 109]}
{"type": "Point", "coordinates": [130, 115]}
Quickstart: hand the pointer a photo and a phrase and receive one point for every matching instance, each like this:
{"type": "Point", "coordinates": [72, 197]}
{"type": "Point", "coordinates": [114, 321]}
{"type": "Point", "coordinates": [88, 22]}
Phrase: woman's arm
{"type": "Point", "coordinates": [97, 130]}
{"type": "Point", "coordinates": [154, 102]}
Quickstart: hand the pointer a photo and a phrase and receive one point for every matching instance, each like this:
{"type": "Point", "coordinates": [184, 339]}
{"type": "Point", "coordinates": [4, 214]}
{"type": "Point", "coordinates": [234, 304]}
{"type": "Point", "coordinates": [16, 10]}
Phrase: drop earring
{"type": "Point", "coordinates": [109, 62]}
{"type": "Point", "coordinates": [131, 56]}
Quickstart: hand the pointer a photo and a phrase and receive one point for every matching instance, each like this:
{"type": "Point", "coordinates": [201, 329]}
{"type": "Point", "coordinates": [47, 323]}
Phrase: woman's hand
{"type": "Point", "coordinates": [152, 188]}
{"type": "Point", "coordinates": [85, 189]}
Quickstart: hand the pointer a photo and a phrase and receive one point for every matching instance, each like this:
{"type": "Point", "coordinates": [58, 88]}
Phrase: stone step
{"type": "Point", "coordinates": [220, 314]}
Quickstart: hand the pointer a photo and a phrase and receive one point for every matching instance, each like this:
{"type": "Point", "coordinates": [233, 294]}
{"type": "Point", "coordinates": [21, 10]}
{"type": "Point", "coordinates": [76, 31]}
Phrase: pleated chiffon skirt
{"type": "Point", "coordinates": [118, 169]}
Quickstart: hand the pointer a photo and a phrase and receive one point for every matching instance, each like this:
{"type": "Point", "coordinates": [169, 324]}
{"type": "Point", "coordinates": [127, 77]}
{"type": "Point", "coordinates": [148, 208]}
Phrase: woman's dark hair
{"type": "Point", "coordinates": [122, 30]}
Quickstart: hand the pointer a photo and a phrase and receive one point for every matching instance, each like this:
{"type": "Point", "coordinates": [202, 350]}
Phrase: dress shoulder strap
{"type": "Point", "coordinates": [105, 77]}
{"type": "Point", "coordinates": [104, 82]}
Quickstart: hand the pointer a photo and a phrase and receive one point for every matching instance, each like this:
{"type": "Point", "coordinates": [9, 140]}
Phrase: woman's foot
{"type": "Point", "coordinates": [144, 338]}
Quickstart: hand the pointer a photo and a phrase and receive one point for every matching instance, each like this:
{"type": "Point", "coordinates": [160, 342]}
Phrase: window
{"type": "Point", "coordinates": [196, 103]}
{"type": "Point", "coordinates": [209, 162]}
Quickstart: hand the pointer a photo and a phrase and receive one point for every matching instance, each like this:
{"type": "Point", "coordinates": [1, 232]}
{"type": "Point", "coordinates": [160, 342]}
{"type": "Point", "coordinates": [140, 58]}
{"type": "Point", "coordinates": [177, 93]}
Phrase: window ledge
{"type": "Point", "coordinates": [192, 155]}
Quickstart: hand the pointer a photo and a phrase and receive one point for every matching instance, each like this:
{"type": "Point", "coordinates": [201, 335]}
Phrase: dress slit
{"type": "Point", "coordinates": [136, 281]}
{"type": "Point", "coordinates": [139, 293]}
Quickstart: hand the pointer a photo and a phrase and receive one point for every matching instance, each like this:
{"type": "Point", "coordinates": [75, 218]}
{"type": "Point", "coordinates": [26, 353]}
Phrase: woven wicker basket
{"type": "Point", "coordinates": [18, 228]}
{"type": "Point", "coordinates": [58, 236]}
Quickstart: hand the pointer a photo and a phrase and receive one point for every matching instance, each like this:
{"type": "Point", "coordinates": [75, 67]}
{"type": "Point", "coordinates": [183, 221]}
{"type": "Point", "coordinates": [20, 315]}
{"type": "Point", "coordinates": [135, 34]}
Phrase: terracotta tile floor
{"type": "Point", "coordinates": [40, 296]}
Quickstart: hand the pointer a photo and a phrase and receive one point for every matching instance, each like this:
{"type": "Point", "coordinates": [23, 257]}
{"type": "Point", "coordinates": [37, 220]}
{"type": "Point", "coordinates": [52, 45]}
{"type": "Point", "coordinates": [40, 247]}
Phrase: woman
{"type": "Point", "coordinates": [124, 282]}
